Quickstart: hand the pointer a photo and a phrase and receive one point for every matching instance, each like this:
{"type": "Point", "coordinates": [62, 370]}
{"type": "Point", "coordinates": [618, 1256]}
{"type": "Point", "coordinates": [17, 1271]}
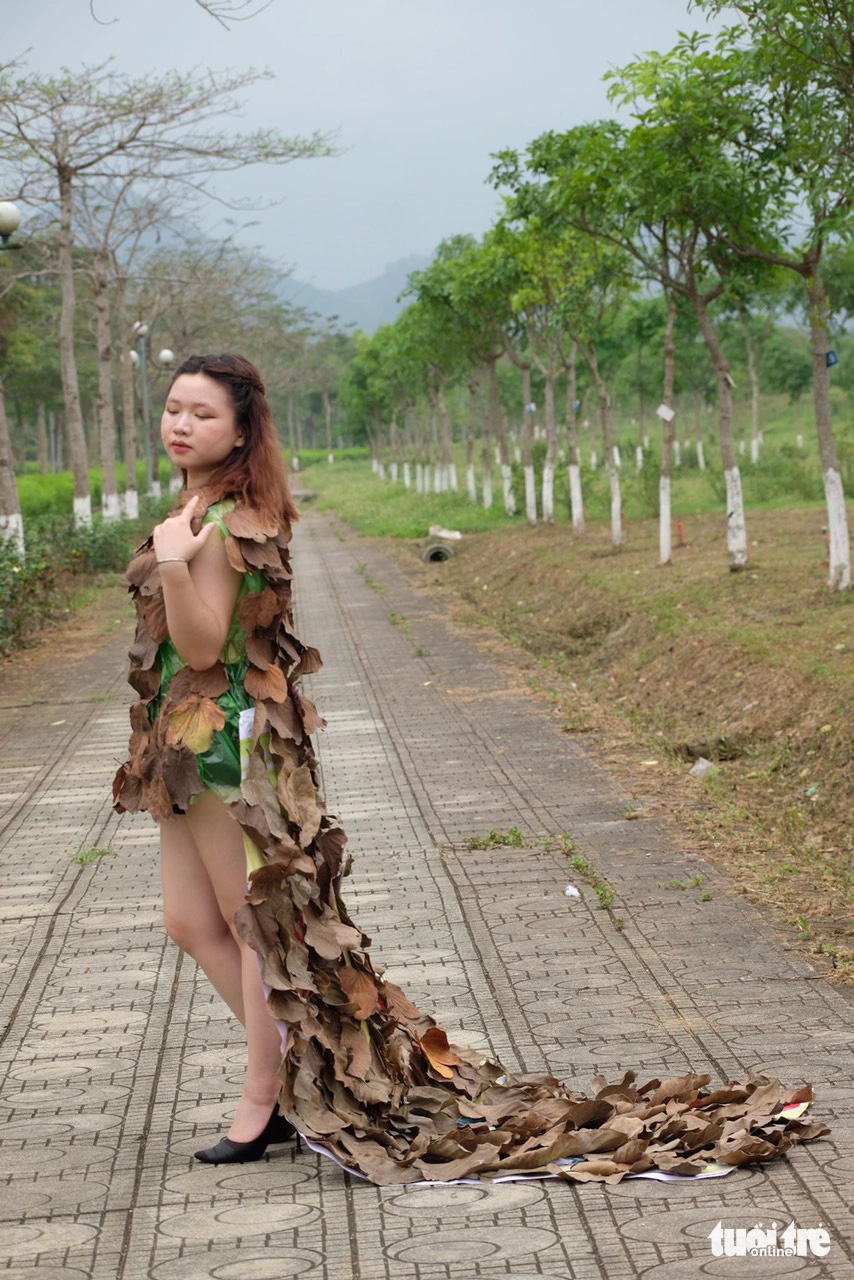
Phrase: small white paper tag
{"type": "Point", "coordinates": [666, 413]}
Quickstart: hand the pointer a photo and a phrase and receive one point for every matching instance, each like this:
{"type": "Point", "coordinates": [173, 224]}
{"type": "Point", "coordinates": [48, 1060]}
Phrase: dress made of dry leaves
{"type": "Point", "coordinates": [366, 1076]}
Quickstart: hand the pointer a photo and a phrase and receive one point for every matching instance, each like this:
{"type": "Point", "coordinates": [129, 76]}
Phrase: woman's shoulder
{"type": "Point", "coordinates": [217, 511]}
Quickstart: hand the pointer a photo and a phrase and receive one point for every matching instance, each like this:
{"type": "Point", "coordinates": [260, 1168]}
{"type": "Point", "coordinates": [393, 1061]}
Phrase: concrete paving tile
{"type": "Point", "coordinates": [118, 1060]}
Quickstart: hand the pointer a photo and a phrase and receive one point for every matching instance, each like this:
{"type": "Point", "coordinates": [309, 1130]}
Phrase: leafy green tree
{"type": "Point", "coordinates": [799, 88]}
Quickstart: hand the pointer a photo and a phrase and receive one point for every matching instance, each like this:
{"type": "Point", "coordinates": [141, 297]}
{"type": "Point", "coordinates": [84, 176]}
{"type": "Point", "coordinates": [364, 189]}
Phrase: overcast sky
{"type": "Point", "coordinates": [421, 91]}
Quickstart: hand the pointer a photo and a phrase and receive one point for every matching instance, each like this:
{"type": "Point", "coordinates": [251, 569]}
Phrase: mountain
{"type": "Point", "coordinates": [366, 305]}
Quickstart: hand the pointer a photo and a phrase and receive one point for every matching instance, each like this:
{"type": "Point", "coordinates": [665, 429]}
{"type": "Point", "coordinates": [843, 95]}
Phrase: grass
{"type": "Point", "coordinates": [684, 655]}
{"type": "Point", "coordinates": [91, 854]}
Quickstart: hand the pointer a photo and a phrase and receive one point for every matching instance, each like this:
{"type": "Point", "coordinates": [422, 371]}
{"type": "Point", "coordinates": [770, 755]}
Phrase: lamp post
{"type": "Point", "coordinates": [152, 478]}
{"type": "Point", "coordinates": [166, 360]}
{"type": "Point", "coordinates": [10, 220]}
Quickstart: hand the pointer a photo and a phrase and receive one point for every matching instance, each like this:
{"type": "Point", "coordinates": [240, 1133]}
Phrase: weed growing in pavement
{"type": "Point", "coordinates": [604, 892]}
{"type": "Point", "coordinates": [362, 569]}
{"type": "Point", "coordinates": [85, 856]}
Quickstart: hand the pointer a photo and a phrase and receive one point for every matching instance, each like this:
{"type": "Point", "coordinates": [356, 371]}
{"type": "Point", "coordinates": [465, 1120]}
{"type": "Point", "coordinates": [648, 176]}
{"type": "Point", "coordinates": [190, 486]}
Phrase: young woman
{"type": "Point", "coordinates": [221, 757]}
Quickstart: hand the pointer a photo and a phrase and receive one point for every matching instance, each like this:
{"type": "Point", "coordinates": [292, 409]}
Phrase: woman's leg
{"type": "Point", "coordinates": [192, 915]}
{"type": "Point", "coordinates": [219, 841]}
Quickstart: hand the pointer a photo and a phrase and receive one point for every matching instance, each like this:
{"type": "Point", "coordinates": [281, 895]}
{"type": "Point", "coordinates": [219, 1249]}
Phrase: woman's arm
{"type": "Point", "coordinates": [199, 596]}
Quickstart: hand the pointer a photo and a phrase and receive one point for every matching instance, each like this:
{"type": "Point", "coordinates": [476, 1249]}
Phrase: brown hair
{"type": "Point", "coordinates": [255, 470]}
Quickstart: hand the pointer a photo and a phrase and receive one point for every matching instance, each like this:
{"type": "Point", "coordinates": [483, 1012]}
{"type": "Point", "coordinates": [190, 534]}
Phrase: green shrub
{"type": "Point", "coordinates": [32, 590]}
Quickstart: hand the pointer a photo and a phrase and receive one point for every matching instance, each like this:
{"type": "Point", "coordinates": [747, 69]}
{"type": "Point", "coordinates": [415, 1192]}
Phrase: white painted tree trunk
{"type": "Point", "coordinates": [330, 457]}
{"type": "Point", "coordinates": [407, 476]}
{"type": "Point", "coordinates": [381, 470]}
{"type": "Point", "coordinates": [471, 482]}
{"type": "Point", "coordinates": [453, 482]}
{"type": "Point", "coordinates": [83, 511]}
{"type": "Point", "coordinates": [497, 456]}
{"type": "Point", "coordinates": [618, 462]}
{"type": "Point", "coordinates": [439, 485]}
{"type": "Point", "coordinates": [130, 504]}
{"type": "Point", "coordinates": [419, 477]}
{"type": "Point", "coordinates": [393, 469]}
{"type": "Point", "coordinates": [12, 530]}
{"type": "Point", "coordinates": [576, 503]}
{"type": "Point", "coordinates": [677, 453]}
{"type": "Point", "coordinates": [176, 481]}
{"type": "Point", "coordinates": [736, 526]}
{"type": "Point", "coordinates": [375, 466]}
{"type": "Point", "coordinates": [701, 456]}
{"type": "Point", "coordinates": [594, 461]}
{"type": "Point", "coordinates": [507, 487]}
{"type": "Point", "coordinates": [548, 493]}
{"type": "Point", "coordinates": [616, 508]}
{"type": "Point", "coordinates": [486, 487]}
{"type": "Point", "coordinates": [639, 458]}
{"type": "Point", "coordinates": [11, 521]}
{"type": "Point", "coordinates": [530, 495]}
{"type": "Point", "coordinates": [799, 441]}
{"type": "Point", "coordinates": [840, 551]}
{"type": "Point", "coordinates": [754, 450]}
{"type": "Point", "coordinates": [664, 522]}
{"type": "Point", "coordinates": [111, 506]}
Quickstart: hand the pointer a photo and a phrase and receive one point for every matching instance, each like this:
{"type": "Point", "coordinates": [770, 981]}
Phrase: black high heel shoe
{"type": "Point", "coordinates": [281, 1130]}
{"type": "Point", "coordinates": [227, 1151]}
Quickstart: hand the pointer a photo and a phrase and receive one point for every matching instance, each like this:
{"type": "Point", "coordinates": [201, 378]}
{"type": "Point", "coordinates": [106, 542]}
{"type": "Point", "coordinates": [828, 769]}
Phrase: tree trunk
{"type": "Point", "coordinates": [11, 521]}
{"type": "Point", "coordinates": [130, 502]}
{"type": "Point", "coordinates": [736, 526]}
{"type": "Point", "coordinates": [497, 417]}
{"type": "Point", "coordinates": [839, 577]}
{"type": "Point", "coordinates": [548, 490]}
{"type": "Point", "coordinates": [471, 420]}
{"type": "Point", "coordinates": [74, 432]}
{"type": "Point", "coordinates": [394, 443]}
{"type": "Point", "coordinates": [576, 503]}
{"type": "Point", "coordinates": [589, 353]}
{"type": "Point", "coordinates": [327, 413]}
{"type": "Point", "coordinates": [449, 471]}
{"type": "Point", "coordinates": [44, 449]}
{"type": "Point", "coordinates": [753, 374]}
{"type": "Point", "coordinates": [668, 431]}
{"type": "Point", "coordinates": [485, 448]}
{"type": "Point", "coordinates": [110, 503]}
{"type": "Point", "coordinates": [527, 448]}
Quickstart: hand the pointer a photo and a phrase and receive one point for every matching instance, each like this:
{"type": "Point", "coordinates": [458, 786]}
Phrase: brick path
{"type": "Point", "coordinates": [118, 1061]}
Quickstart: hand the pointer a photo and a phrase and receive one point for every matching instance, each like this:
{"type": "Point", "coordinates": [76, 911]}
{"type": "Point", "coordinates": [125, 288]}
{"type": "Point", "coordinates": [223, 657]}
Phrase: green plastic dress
{"type": "Point", "coordinates": [219, 766]}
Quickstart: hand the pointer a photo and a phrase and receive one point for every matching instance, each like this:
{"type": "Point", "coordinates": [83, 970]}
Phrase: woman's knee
{"type": "Point", "coordinates": [195, 935]}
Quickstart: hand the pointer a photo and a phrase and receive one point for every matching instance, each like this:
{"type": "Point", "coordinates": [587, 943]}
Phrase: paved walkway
{"type": "Point", "coordinates": [117, 1060]}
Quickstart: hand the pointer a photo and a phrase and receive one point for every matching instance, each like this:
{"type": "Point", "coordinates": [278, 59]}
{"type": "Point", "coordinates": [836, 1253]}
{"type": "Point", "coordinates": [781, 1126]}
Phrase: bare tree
{"type": "Point", "coordinates": [96, 125]}
{"type": "Point", "coordinates": [112, 219]}
{"type": "Point", "coordinates": [224, 11]}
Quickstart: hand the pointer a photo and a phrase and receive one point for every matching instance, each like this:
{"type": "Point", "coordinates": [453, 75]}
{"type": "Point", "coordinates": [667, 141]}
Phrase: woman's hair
{"type": "Point", "coordinates": [255, 470]}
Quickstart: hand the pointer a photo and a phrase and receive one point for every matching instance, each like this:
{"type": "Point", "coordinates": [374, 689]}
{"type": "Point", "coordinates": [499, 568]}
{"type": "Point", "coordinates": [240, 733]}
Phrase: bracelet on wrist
{"type": "Point", "coordinates": [171, 559]}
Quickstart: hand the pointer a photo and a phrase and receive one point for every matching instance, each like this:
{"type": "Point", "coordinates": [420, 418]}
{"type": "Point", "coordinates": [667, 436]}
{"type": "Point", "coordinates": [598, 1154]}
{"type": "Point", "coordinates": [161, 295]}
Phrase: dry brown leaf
{"type": "Point", "coordinates": [266, 684]}
{"type": "Point", "coordinates": [245, 523]}
{"type": "Point", "coordinates": [438, 1052]}
{"type": "Point", "coordinates": [360, 987]}
{"type": "Point", "coordinates": [194, 723]}
{"type": "Point", "coordinates": [235, 559]}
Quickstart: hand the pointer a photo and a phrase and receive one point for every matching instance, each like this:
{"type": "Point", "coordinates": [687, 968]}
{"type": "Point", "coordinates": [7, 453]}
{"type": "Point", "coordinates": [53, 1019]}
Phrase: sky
{"type": "Point", "coordinates": [419, 92]}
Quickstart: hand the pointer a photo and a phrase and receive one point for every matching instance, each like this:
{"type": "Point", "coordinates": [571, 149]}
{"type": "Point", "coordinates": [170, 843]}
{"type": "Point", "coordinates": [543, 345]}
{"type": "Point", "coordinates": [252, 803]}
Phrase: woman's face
{"type": "Point", "coordinates": [198, 428]}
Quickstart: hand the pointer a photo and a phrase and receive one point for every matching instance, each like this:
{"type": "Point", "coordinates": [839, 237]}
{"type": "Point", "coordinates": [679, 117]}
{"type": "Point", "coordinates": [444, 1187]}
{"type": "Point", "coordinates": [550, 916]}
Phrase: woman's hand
{"type": "Point", "coordinates": [174, 537]}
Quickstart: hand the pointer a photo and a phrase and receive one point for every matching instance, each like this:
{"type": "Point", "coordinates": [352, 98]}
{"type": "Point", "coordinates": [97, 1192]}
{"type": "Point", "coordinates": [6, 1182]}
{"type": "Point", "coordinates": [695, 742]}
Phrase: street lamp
{"type": "Point", "coordinates": [10, 220]}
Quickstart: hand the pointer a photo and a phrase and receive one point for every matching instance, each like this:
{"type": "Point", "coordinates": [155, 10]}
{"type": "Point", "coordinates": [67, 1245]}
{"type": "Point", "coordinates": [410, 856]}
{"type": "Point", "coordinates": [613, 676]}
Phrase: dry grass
{"type": "Point", "coordinates": [754, 669]}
